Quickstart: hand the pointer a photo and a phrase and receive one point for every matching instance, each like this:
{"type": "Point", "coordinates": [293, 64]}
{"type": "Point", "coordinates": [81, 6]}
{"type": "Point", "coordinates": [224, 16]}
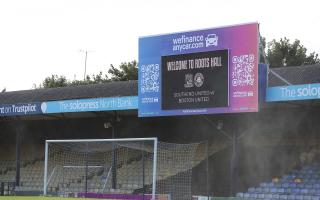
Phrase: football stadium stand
{"type": "Point", "coordinates": [279, 131]}
{"type": "Point", "coordinates": [302, 183]}
{"type": "Point", "coordinates": [72, 180]}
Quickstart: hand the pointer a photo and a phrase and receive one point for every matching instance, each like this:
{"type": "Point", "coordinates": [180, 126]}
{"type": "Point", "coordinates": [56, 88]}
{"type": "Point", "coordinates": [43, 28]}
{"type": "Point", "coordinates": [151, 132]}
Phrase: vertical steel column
{"type": "Point", "coordinates": [45, 170]}
{"type": "Point", "coordinates": [86, 173]}
{"type": "Point", "coordinates": [207, 169]}
{"type": "Point", "coordinates": [1, 189]}
{"type": "Point", "coordinates": [114, 158]}
{"type": "Point", "coordinates": [143, 172]}
{"type": "Point", "coordinates": [233, 164]}
{"type": "Point", "coordinates": [154, 177]}
{"type": "Point", "coordinates": [18, 155]}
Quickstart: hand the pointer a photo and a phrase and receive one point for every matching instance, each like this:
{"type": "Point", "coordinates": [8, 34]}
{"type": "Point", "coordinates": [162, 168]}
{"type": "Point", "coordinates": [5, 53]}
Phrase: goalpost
{"type": "Point", "coordinates": [100, 165]}
{"type": "Point", "coordinates": [136, 168]}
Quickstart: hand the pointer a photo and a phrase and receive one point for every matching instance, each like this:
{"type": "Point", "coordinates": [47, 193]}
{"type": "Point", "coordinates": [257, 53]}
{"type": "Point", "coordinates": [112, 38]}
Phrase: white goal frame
{"type": "Point", "coordinates": [155, 148]}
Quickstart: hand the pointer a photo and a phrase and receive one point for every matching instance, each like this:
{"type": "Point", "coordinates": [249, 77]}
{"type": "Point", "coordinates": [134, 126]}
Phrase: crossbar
{"type": "Point", "coordinates": [103, 140]}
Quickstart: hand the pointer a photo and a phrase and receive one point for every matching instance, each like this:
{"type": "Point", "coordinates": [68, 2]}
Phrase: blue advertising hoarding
{"type": "Point", "coordinates": [75, 105]}
{"type": "Point", "coordinates": [293, 92]}
{"type": "Point", "coordinates": [88, 105]}
{"type": "Point", "coordinates": [20, 109]}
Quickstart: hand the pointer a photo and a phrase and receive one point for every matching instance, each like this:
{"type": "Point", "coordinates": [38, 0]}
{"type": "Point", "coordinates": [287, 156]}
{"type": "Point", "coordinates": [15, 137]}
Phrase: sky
{"type": "Point", "coordinates": [39, 38]}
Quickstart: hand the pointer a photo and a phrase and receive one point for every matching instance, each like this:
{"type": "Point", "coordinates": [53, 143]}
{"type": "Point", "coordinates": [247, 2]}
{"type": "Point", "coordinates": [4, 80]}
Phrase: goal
{"type": "Point", "coordinates": [106, 166]}
{"type": "Point", "coordinates": [132, 168]}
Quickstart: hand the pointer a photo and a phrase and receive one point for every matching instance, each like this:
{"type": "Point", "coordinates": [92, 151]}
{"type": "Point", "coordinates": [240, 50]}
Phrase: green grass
{"type": "Point", "coordinates": [38, 198]}
{"type": "Point", "coordinates": [60, 198]}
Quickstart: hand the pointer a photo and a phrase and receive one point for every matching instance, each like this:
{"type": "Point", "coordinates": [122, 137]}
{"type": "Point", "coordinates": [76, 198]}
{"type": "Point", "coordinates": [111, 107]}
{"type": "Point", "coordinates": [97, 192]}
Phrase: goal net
{"type": "Point", "coordinates": [136, 168]}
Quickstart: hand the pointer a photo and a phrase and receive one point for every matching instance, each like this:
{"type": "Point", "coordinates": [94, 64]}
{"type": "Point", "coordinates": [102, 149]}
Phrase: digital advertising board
{"type": "Point", "coordinates": [199, 72]}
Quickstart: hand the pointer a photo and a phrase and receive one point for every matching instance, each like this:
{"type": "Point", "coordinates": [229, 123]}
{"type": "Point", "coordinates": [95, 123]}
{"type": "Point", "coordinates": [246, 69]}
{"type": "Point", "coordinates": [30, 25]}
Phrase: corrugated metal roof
{"type": "Point", "coordinates": [294, 75]}
{"type": "Point", "coordinates": [112, 89]}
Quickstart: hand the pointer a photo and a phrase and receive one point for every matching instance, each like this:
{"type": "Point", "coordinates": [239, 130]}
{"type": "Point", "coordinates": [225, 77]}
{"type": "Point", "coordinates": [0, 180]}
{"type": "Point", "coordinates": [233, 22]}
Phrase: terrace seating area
{"type": "Point", "coordinates": [6, 165]}
{"type": "Point", "coordinates": [303, 184]}
{"type": "Point", "coordinates": [32, 177]}
{"type": "Point", "coordinates": [129, 172]}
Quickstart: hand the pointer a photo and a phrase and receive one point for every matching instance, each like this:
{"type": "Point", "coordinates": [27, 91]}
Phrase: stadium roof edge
{"type": "Point", "coordinates": [111, 89]}
{"type": "Point", "coordinates": [294, 74]}
{"type": "Point", "coordinates": [305, 74]}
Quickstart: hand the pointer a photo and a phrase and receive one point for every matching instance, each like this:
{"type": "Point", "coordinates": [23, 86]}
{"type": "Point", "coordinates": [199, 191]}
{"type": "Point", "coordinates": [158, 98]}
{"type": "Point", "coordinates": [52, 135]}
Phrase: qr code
{"type": "Point", "coordinates": [150, 78]}
{"type": "Point", "coordinates": [242, 74]}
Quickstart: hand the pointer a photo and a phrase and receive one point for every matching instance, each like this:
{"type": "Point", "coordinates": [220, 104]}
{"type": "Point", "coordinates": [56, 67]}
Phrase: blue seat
{"type": "Point", "coordinates": [308, 176]}
{"type": "Point", "coordinates": [309, 186]}
{"type": "Point", "coordinates": [265, 190]}
{"type": "Point", "coordinates": [307, 180]}
{"type": "Point", "coordinates": [292, 185]}
{"type": "Point", "coordinates": [295, 171]}
{"type": "Point", "coordinates": [307, 197]}
{"type": "Point", "coordinates": [268, 196]}
{"type": "Point", "coordinates": [287, 176]}
{"type": "Point", "coordinates": [283, 197]}
{"type": "Point", "coordinates": [287, 190]}
{"type": "Point", "coordinates": [310, 171]}
{"type": "Point", "coordinates": [291, 197]}
{"type": "Point", "coordinates": [304, 191]}
{"type": "Point", "coordinates": [253, 196]}
{"type": "Point", "coordinates": [315, 198]}
{"type": "Point", "coordinates": [258, 190]}
{"type": "Point", "coordinates": [273, 190]}
{"type": "Point", "coordinates": [240, 195]}
{"type": "Point", "coordinates": [295, 191]}
{"type": "Point", "coordinates": [246, 195]}
{"type": "Point", "coordinates": [285, 185]}
{"type": "Point", "coordinates": [280, 190]}
{"type": "Point", "coordinates": [252, 190]}
{"type": "Point", "coordinates": [311, 181]}
{"type": "Point", "coordinates": [270, 184]}
{"type": "Point", "coordinates": [299, 197]}
{"type": "Point", "coordinates": [312, 191]}
{"type": "Point", "coordinates": [261, 196]}
{"type": "Point", "coordinates": [275, 196]}
{"type": "Point", "coordinates": [316, 186]}
{"type": "Point", "coordinates": [317, 192]}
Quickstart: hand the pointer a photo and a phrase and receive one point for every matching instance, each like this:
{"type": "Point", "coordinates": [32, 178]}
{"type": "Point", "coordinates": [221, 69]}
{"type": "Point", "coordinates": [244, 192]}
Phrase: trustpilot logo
{"type": "Point", "coordinates": [43, 107]}
{"type": "Point", "coordinates": [184, 42]}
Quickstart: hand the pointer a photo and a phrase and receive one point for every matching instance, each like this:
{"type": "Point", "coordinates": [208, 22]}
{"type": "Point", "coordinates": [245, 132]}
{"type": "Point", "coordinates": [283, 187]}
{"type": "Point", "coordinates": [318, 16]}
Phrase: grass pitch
{"type": "Point", "coordinates": [39, 198]}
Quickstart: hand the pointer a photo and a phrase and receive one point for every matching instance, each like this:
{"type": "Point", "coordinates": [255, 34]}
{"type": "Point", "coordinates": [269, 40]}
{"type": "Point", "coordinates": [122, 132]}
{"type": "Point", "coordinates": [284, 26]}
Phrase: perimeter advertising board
{"type": "Point", "coordinates": [72, 105]}
{"type": "Point", "coordinates": [293, 92]}
{"type": "Point", "coordinates": [20, 109]}
{"type": "Point", "coordinates": [199, 72]}
{"type": "Point", "coordinates": [90, 105]}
